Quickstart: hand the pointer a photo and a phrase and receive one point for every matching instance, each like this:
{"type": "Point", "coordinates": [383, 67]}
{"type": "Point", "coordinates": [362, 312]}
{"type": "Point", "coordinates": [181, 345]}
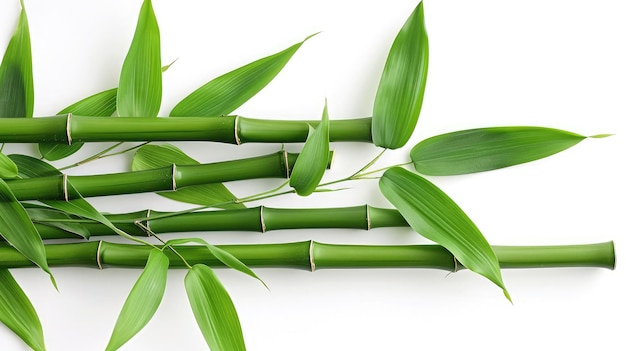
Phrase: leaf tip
{"type": "Point", "coordinates": [600, 136]}
{"type": "Point", "coordinates": [54, 282]}
{"type": "Point", "coordinates": [507, 295]}
{"type": "Point", "coordinates": [311, 36]}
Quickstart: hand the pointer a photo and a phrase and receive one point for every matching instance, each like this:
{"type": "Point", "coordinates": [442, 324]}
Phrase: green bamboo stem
{"type": "Point", "coordinates": [276, 165]}
{"type": "Point", "coordinates": [312, 255]}
{"type": "Point", "coordinates": [67, 129]}
{"type": "Point", "coordinates": [256, 219]}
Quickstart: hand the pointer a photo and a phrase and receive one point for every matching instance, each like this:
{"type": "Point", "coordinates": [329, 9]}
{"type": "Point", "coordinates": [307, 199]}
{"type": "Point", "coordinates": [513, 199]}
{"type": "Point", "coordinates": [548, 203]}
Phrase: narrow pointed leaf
{"type": "Point", "coordinates": [30, 167]}
{"type": "Point", "coordinates": [434, 215]}
{"type": "Point", "coordinates": [18, 230]}
{"type": "Point", "coordinates": [98, 105]}
{"type": "Point", "coordinates": [57, 219]}
{"type": "Point", "coordinates": [17, 97]}
{"type": "Point", "coordinates": [139, 93]}
{"type": "Point", "coordinates": [401, 89]}
{"type": "Point", "coordinates": [311, 164]}
{"type": "Point", "coordinates": [142, 302]}
{"type": "Point", "coordinates": [214, 310]}
{"type": "Point", "coordinates": [224, 256]}
{"type": "Point", "coordinates": [17, 312]}
{"type": "Point", "coordinates": [155, 156]}
{"type": "Point", "coordinates": [226, 93]}
{"type": "Point", "coordinates": [485, 149]}
{"type": "Point", "coordinates": [8, 169]}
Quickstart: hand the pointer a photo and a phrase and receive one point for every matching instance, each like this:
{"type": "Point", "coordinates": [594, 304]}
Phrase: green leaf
{"type": "Point", "coordinates": [142, 302]}
{"type": "Point", "coordinates": [17, 97]}
{"type": "Point", "coordinates": [224, 256]}
{"type": "Point", "coordinates": [140, 93]}
{"type": "Point", "coordinates": [434, 215]}
{"type": "Point", "coordinates": [214, 310]}
{"type": "Point", "coordinates": [401, 89]}
{"type": "Point", "coordinates": [30, 167]}
{"type": "Point", "coordinates": [226, 93]}
{"type": "Point", "coordinates": [155, 156]}
{"type": "Point", "coordinates": [311, 164]}
{"type": "Point", "coordinates": [57, 219]}
{"type": "Point", "coordinates": [8, 169]}
{"type": "Point", "coordinates": [19, 231]}
{"type": "Point", "coordinates": [485, 149]}
{"type": "Point", "coordinates": [98, 105]}
{"type": "Point", "coordinates": [18, 314]}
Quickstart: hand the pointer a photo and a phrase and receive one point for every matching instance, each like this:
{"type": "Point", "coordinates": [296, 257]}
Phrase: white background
{"type": "Point", "coordinates": [558, 64]}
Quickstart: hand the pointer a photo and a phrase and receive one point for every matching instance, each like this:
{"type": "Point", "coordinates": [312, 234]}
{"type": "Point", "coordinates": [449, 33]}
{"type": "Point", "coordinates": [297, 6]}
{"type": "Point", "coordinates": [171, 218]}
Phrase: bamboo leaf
{"type": "Point", "coordinates": [142, 302]}
{"type": "Point", "coordinates": [224, 256]}
{"type": "Point", "coordinates": [18, 230]}
{"type": "Point", "coordinates": [153, 156]}
{"type": "Point", "coordinates": [401, 89]}
{"type": "Point", "coordinates": [102, 104]}
{"type": "Point", "coordinates": [484, 149]}
{"type": "Point", "coordinates": [30, 167]}
{"type": "Point", "coordinates": [214, 310]}
{"type": "Point", "coordinates": [139, 93]}
{"type": "Point", "coordinates": [434, 215]}
{"type": "Point", "coordinates": [17, 97]}
{"type": "Point", "coordinates": [311, 164]}
{"type": "Point", "coordinates": [17, 312]}
{"type": "Point", "coordinates": [226, 93]}
{"type": "Point", "coordinates": [57, 219]}
{"type": "Point", "coordinates": [8, 169]}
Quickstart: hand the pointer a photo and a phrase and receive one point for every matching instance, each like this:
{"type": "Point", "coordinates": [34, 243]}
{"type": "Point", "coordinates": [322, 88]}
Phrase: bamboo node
{"type": "Point", "coordinates": [68, 128]}
{"type": "Point", "coordinates": [311, 258]}
{"type": "Point", "coordinates": [173, 177]}
{"type": "Point", "coordinates": [66, 195]}
{"type": "Point", "coordinates": [236, 127]}
{"type": "Point", "coordinates": [263, 227]}
{"type": "Point", "coordinates": [98, 258]}
{"type": "Point", "coordinates": [286, 161]}
{"type": "Point", "coordinates": [367, 217]}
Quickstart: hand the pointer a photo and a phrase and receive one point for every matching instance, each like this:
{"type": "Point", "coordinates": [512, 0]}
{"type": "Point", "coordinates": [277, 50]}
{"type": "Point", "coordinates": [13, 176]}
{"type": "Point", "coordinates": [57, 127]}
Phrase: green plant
{"type": "Point", "coordinates": [202, 272]}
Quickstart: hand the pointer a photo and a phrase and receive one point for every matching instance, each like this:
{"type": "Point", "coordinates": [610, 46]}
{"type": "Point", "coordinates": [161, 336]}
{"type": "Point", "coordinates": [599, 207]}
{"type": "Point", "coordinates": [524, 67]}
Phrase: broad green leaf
{"type": "Point", "coordinates": [18, 230]}
{"type": "Point", "coordinates": [224, 256]}
{"type": "Point", "coordinates": [142, 302]}
{"type": "Point", "coordinates": [484, 149]}
{"type": "Point", "coordinates": [434, 215]}
{"type": "Point", "coordinates": [226, 93]}
{"type": "Point", "coordinates": [214, 310]}
{"type": "Point", "coordinates": [401, 89]}
{"type": "Point", "coordinates": [57, 219]}
{"type": "Point", "coordinates": [17, 97]}
{"type": "Point", "coordinates": [98, 105]}
{"type": "Point", "coordinates": [8, 169]}
{"type": "Point", "coordinates": [139, 93]}
{"type": "Point", "coordinates": [311, 164]}
{"type": "Point", "coordinates": [155, 156]}
{"type": "Point", "coordinates": [18, 314]}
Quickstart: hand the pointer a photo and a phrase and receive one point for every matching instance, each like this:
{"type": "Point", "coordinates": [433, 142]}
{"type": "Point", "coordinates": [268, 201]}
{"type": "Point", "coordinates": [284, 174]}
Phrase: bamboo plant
{"type": "Point", "coordinates": [63, 212]}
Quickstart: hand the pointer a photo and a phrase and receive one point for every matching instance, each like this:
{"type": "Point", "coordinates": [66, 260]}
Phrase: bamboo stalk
{"type": "Point", "coordinates": [311, 255]}
{"type": "Point", "coordinates": [276, 165]}
{"type": "Point", "coordinates": [67, 129]}
{"type": "Point", "coordinates": [255, 219]}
